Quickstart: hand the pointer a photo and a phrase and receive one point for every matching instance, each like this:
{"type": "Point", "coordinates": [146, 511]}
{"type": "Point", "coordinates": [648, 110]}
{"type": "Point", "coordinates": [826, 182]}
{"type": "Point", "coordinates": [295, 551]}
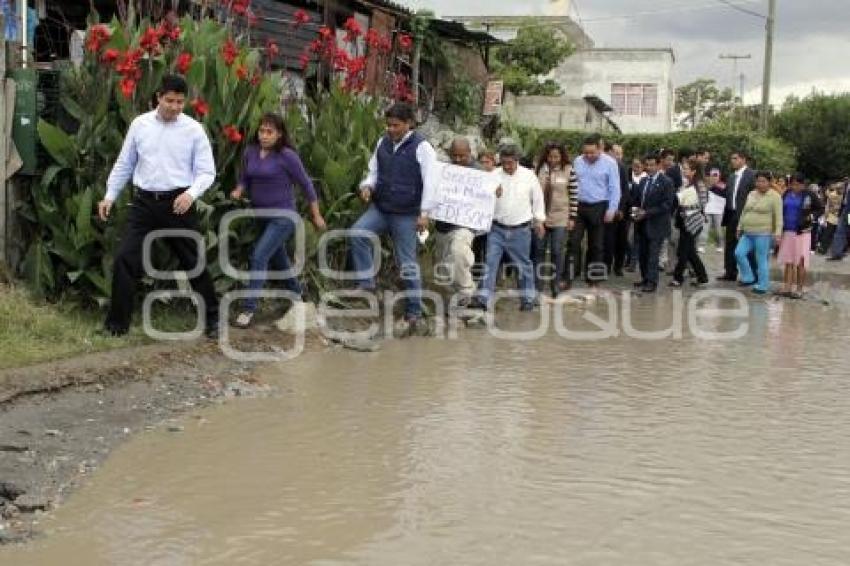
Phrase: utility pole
{"type": "Point", "coordinates": [735, 59]}
{"type": "Point", "coordinates": [768, 64]}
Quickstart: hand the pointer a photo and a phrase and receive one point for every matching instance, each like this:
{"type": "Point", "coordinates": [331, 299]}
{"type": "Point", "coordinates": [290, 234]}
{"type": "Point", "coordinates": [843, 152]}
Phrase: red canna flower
{"type": "Point", "coordinates": [300, 18]}
{"type": "Point", "coordinates": [305, 59]}
{"type": "Point", "coordinates": [405, 42]}
{"type": "Point", "coordinates": [128, 87]}
{"type": "Point", "coordinates": [200, 107]}
{"type": "Point", "coordinates": [256, 79]}
{"type": "Point", "coordinates": [325, 32]}
{"type": "Point", "coordinates": [232, 133]}
{"type": "Point", "coordinates": [356, 66]}
{"type": "Point", "coordinates": [401, 89]}
{"type": "Point", "coordinates": [128, 63]}
{"type": "Point", "coordinates": [272, 49]}
{"type": "Point", "coordinates": [175, 32]}
{"type": "Point", "coordinates": [183, 62]}
{"type": "Point", "coordinates": [150, 40]}
{"type": "Point", "coordinates": [373, 38]}
{"type": "Point", "coordinates": [229, 52]}
{"type": "Point", "coordinates": [110, 56]}
{"type": "Point", "coordinates": [315, 45]}
{"type": "Point", "coordinates": [341, 59]}
{"type": "Point", "coordinates": [352, 29]}
{"type": "Point", "coordinates": [241, 72]}
{"type": "Point", "coordinates": [98, 35]}
{"type": "Point", "coordinates": [251, 18]}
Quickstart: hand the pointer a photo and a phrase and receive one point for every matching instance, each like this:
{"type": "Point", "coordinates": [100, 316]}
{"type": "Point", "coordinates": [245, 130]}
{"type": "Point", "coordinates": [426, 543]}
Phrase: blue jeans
{"type": "Point", "coordinates": [271, 249]}
{"type": "Point", "coordinates": [761, 245]}
{"type": "Point", "coordinates": [839, 239]}
{"type": "Point", "coordinates": [516, 242]}
{"type": "Point", "coordinates": [402, 230]}
{"type": "Point", "coordinates": [554, 240]}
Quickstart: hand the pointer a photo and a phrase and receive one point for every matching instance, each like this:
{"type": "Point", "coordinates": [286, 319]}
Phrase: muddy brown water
{"type": "Point", "coordinates": [488, 451]}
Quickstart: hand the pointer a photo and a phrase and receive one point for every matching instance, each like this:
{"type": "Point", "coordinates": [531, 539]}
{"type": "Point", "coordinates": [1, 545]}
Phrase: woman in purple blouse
{"type": "Point", "coordinates": [269, 170]}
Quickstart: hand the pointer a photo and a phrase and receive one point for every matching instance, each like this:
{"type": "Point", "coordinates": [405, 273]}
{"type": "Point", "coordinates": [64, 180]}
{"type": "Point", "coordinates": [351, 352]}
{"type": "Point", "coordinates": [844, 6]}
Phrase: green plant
{"type": "Point", "coordinates": [463, 101]}
{"type": "Point", "coordinates": [819, 125]}
{"type": "Point", "coordinates": [337, 157]}
{"type": "Point", "coordinates": [767, 152]}
{"type": "Point", "coordinates": [534, 52]}
{"type": "Point", "coordinates": [71, 249]}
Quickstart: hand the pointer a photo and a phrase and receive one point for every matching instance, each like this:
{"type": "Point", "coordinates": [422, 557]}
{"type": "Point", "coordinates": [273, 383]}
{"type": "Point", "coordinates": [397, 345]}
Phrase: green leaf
{"type": "Point", "coordinates": [50, 174]}
{"type": "Point", "coordinates": [85, 234]}
{"type": "Point", "coordinates": [337, 177]}
{"type": "Point", "coordinates": [38, 269]}
{"type": "Point", "coordinates": [72, 107]}
{"type": "Point", "coordinates": [58, 144]}
{"type": "Point", "coordinates": [197, 75]}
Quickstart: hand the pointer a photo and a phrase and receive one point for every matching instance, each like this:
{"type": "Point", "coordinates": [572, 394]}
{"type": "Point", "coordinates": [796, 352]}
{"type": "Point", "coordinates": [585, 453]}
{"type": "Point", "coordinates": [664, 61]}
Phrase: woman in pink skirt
{"type": "Point", "coordinates": [800, 208]}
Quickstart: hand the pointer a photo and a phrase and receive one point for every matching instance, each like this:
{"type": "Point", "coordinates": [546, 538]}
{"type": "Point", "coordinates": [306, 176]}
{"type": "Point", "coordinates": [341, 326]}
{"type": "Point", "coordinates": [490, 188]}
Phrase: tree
{"type": "Point", "coordinates": [535, 52]}
{"type": "Point", "coordinates": [702, 101]}
{"type": "Point", "coordinates": [819, 127]}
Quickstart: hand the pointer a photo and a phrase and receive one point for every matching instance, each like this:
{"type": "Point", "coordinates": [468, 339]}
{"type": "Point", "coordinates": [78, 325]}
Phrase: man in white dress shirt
{"type": "Point", "coordinates": [519, 209]}
{"type": "Point", "coordinates": [169, 159]}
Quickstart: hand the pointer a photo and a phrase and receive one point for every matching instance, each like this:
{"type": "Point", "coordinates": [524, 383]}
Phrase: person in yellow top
{"type": "Point", "coordinates": [759, 229]}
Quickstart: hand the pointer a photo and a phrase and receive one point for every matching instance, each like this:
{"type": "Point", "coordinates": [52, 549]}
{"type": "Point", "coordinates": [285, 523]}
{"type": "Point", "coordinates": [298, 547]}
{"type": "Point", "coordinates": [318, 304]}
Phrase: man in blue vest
{"type": "Point", "coordinates": [399, 171]}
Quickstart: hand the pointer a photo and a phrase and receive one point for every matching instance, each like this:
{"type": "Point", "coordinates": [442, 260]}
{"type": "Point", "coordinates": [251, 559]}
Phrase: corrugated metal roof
{"type": "Point", "coordinates": [386, 5]}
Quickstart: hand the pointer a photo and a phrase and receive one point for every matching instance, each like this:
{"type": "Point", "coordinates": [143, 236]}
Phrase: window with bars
{"type": "Point", "coordinates": [635, 99]}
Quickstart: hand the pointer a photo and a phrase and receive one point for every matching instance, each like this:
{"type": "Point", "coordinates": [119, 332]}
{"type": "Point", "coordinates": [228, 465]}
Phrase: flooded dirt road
{"type": "Point", "coordinates": [482, 451]}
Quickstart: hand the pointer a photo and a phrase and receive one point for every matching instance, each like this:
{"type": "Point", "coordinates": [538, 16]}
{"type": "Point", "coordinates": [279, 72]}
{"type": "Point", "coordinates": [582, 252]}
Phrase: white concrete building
{"type": "Point", "coordinates": [636, 83]}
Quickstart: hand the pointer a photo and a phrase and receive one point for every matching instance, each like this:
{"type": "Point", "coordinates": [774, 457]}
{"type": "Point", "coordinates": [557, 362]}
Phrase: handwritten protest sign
{"type": "Point", "coordinates": [466, 197]}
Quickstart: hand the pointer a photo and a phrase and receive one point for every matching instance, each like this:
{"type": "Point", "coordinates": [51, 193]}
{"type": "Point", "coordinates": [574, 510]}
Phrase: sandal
{"type": "Point", "coordinates": [244, 319]}
{"type": "Point", "coordinates": [796, 295]}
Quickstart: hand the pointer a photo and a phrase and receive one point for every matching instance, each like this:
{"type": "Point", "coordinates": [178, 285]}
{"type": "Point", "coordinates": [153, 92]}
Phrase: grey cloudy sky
{"type": "Point", "coordinates": [811, 48]}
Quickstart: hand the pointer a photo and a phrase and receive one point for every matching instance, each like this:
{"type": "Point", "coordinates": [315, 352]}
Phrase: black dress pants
{"type": "Point", "coordinates": [146, 215]}
{"type": "Point", "coordinates": [687, 254]}
{"type": "Point", "coordinates": [590, 219]}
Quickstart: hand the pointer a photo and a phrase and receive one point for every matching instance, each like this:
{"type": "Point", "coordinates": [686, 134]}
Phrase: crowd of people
{"type": "Point", "coordinates": [557, 218]}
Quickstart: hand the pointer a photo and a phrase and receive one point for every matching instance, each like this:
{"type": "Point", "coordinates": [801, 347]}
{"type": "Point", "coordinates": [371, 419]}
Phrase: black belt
{"type": "Point", "coordinates": [159, 195]}
{"type": "Point", "coordinates": [506, 227]}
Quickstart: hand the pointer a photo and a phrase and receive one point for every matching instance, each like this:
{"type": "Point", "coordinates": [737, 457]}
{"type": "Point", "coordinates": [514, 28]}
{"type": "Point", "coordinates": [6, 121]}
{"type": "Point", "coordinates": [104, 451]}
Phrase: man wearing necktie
{"type": "Point", "coordinates": [741, 182]}
{"type": "Point", "coordinates": [839, 240]}
{"type": "Point", "coordinates": [654, 198]}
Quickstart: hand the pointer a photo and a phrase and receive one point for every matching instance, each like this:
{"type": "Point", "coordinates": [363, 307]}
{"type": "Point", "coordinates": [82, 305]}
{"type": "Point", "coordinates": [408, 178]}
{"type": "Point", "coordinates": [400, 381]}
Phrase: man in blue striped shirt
{"type": "Point", "coordinates": [598, 201]}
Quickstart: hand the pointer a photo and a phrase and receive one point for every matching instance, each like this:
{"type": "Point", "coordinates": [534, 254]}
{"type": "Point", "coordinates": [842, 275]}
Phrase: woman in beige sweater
{"type": "Point", "coordinates": [759, 229]}
{"type": "Point", "coordinates": [560, 193]}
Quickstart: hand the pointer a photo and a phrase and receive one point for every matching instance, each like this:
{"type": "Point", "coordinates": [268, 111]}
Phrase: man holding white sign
{"type": "Point", "coordinates": [463, 205]}
{"type": "Point", "coordinates": [519, 208]}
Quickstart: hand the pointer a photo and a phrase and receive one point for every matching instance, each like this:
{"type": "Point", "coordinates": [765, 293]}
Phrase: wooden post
{"type": "Point", "coordinates": [4, 213]}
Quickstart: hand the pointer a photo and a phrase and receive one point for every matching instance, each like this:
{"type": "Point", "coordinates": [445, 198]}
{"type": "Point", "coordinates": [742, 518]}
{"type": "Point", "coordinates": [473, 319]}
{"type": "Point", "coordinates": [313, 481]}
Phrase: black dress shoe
{"type": "Point", "coordinates": [212, 332]}
{"type": "Point", "coordinates": [639, 284]}
{"type": "Point", "coordinates": [834, 258]}
{"type": "Point", "coordinates": [726, 278]}
{"type": "Point", "coordinates": [649, 288]}
{"type": "Point", "coordinates": [746, 284]}
{"type": "Point", "coordinates": [112, 331]}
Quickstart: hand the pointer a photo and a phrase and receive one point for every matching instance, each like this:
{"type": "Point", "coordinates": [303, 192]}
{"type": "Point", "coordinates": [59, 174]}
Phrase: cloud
{"type": "Point", "coordinates": [811, 36]}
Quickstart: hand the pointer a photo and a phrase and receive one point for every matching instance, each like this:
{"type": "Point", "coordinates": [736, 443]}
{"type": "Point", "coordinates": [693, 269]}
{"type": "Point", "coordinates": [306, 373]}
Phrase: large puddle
{"type": "Point", "coordinates": [497, 452]}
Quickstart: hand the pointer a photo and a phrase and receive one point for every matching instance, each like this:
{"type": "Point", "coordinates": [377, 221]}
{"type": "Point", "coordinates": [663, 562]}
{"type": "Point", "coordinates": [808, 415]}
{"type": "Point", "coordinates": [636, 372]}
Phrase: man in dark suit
{"type": "Point", "coordinates": [617, 232]}
{"type": "Point", "coordinates": [741, 182]}
{"type": "Point", "coordinates": [653, 200]}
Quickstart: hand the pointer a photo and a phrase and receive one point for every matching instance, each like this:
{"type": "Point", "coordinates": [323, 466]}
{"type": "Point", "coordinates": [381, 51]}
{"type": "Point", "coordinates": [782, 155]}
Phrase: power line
{"type": "Point", "coordinates": [741, 9]}
{"type": "Point", "coordinates": [667, 10]}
